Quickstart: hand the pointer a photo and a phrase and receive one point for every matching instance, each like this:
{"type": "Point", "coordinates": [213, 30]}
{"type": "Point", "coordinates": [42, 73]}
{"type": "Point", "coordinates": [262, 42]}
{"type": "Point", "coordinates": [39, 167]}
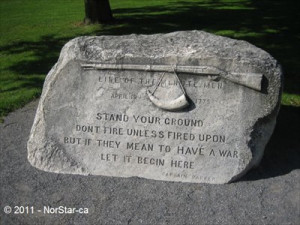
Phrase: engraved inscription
{"type": "Point", "coordinates": [170, 143]}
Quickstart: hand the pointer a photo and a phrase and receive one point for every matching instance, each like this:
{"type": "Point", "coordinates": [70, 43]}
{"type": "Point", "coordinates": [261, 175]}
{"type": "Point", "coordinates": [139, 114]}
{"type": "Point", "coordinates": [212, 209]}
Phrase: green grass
{"type": "Point", "coordinates": [32, 34]}
{"type": "Point", "coordinates": [34, 31]}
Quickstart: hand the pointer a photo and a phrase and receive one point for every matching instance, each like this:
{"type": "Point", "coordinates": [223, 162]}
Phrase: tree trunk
{"type": "Point", "coordinates": [97, 11]}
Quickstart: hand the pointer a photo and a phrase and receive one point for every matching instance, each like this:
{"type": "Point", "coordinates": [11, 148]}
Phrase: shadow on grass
{"type": "Point", "coordinates": [271, 25]}
{"type": "Point", "coordinates": [282, 154]}
{"type": "Point", "coordinates": [44, 54]}
{"type": "Point", "coordinates": [28, 73]}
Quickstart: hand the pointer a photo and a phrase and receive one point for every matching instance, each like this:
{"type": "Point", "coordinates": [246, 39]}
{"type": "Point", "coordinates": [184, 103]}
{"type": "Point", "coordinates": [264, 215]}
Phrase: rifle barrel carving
{"type": "Point", "coordinates": [250, 80]}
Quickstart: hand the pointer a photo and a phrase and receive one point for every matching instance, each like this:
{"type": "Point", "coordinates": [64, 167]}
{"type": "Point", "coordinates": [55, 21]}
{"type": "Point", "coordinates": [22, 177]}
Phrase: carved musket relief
{"type": "Point", "coordinates": [250, 80]}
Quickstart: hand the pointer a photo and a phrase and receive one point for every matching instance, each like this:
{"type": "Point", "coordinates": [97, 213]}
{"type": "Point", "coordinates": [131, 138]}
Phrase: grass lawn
{"type": "Point", "coordinates": [34, 31]}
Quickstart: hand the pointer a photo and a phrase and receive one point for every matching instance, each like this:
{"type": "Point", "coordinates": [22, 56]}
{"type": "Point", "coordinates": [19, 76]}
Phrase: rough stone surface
{"type": "Point", "coordinates": [268, 194]}
{"type": "Point", "coordinates": [102, 122]}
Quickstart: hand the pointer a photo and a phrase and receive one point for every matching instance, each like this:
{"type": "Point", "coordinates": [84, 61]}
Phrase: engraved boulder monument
{"type": "Point", "coordinates": [185, 106]}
